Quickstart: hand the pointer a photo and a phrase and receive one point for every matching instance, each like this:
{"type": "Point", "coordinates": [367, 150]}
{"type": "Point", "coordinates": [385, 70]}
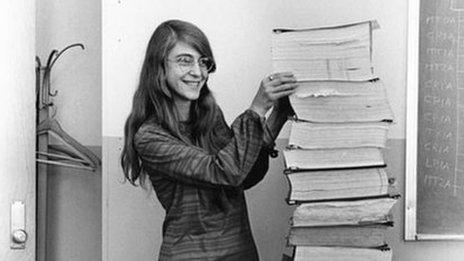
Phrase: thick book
{"type": "Point", "coordinates": [308, 186]}
{"type": "Point", "coordinates": [326, 53]}
{"type": "Point", "coordinates": [372, 235]}
{"type": "Point", "coordinates": [312, 253]}
{"type": "Point", "coordinates": [334, 101]}
{"type": "Point", "coordinates": [314, 159]}
{"type": "Point", "coordinates": [307, 135]}
{"type": "Point", "coordinates": [350, 212]}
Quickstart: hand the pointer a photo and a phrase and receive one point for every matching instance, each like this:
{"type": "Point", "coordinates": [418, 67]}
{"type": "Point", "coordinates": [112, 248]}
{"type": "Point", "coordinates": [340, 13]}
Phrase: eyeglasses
{"type": "Point", "coordinates": [186, 63]}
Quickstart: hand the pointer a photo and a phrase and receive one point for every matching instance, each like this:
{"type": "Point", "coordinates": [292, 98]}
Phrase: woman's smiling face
{"type": "Point", "coordinates": [185, 81]}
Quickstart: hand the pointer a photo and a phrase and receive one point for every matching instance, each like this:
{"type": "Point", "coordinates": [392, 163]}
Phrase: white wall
{"type": "Point", "coordinates": [240, 35]}
{"type": "Point", "coordinates": [17, 121]}
{"type": "Point", "coordinates": [77, 73]}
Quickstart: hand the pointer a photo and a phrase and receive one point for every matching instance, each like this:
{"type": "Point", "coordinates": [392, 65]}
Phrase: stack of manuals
{"type": "Point", "coordinates": [334, 161]}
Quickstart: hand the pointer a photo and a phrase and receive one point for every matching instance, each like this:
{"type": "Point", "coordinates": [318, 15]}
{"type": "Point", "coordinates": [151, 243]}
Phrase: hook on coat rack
{"type": "Point", "coordinates": [52, 58]}
{"type": "Point", "coordinates": [52, 62]}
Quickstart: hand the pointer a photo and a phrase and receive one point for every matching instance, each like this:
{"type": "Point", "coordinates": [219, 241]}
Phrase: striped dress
{"type": "Point", "coordinates": [203, 191]}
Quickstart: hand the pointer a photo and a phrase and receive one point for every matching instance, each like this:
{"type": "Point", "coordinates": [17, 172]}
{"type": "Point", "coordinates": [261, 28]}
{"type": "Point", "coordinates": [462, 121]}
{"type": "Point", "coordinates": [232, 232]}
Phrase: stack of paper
{"type": "Point", "coordinates": [334, 160]}
{"type": "Point", "coordinates": [333, 53]}
{"type": "Point", "coordinates": [309, 186]}
{"type": "Point", "coordinates": [333, 135]}
{"type": "Point", "coordinates": [336, 101]}
{"type": "Point", "coordinates": [353, 212]}
{"type": "Point", "coordinates": [307, 253]}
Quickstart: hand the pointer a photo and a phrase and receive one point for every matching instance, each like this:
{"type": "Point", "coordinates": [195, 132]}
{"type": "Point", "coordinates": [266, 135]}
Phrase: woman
{"type": "Point", "coordinates": [176, 136]}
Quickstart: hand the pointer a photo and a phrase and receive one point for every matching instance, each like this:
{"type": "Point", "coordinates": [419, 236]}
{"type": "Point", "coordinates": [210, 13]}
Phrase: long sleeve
{"type": "Point", "coordinates": [273, 125]}
{"type": "Point", "coordinates": [258, 171]}
{"type": "Point", "coordinates": [162, 153]}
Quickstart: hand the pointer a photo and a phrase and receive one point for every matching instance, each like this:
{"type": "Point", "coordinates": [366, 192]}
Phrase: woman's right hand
{"type": "Point", "coordinates": [271, 89]}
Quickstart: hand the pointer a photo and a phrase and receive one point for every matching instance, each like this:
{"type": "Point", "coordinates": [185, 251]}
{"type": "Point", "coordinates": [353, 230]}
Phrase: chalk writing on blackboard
{"type": "Point", "coordinates": [442, 183]}
{"type": "Point", "coordinates": [435, 154]}
{"type": "Point", "coordinates": [440, 141]}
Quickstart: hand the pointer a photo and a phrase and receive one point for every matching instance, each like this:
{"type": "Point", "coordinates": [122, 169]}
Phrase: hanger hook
{"type": "Point", "coordinates": [47, 69]}
{"type": "Point", "coordinates": [38, 63]}
{"type": "Point", "coordinates": [54, 108]}
{"type": "Point", "coordinates": [64, 50]}
{"type": "Point", "coordinates": [50, 59]}
{"type": "Point", "coordinates": [53, 94]}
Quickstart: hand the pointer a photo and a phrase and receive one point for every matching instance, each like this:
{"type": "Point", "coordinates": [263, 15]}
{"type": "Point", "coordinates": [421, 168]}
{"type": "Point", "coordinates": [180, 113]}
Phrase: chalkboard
{"type": "Point", "coordinates": [440, 120]}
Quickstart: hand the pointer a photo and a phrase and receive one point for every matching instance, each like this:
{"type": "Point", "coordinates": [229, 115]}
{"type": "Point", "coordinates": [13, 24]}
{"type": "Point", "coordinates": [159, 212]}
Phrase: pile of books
{"type": "Point", "coordinates": [334, 159]}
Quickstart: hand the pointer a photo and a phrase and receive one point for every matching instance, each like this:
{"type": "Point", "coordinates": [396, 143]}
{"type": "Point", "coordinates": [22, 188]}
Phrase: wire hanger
{"type": "Point", "coordinates": [73, 154]}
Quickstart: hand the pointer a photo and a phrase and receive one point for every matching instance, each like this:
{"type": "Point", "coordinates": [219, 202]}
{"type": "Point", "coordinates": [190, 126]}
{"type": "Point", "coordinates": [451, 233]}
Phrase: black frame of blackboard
{"type": "Point", "coordinates": [410, 224]}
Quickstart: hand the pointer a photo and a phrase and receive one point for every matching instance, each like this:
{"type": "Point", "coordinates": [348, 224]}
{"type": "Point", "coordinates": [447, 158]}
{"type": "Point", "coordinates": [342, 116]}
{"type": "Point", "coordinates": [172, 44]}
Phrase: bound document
{"type": "Point", "coordinates": [352, 212]}
{"type": "Point", "coordinates": [329, 53]}
{"type": "Point", "coordinates": [352, 236]}
{"type": "Point", "coordinates": [306, 186]}
{"type": "Point", "coordinates": [325, 102]}
{"type": "Point", "coordinates": [296, 159]}
{"type": "Point", "coordinates": [311, 253]}
{"type": "Point", "coordinates": [306, 135]}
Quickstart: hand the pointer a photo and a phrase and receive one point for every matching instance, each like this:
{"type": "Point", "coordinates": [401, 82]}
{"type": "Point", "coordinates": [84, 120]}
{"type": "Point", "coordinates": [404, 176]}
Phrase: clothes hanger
{"type": "Point", "coordinates": [73, 154]}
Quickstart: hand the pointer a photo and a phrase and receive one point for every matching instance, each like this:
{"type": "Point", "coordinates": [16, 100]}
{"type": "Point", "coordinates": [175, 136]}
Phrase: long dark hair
{"type": "Point", "coordinates": [154, 99]}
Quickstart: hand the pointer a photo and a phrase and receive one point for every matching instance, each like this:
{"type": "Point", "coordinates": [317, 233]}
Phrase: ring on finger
{"type": "Point", "coordinates": [271, 77]}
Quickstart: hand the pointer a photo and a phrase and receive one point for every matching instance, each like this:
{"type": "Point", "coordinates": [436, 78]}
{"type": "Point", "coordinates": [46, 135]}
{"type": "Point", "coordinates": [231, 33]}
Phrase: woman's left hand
{"type": "Point", "coordinates": [282, 106]}
{"type": "Point", "coordinates": [272, 89]}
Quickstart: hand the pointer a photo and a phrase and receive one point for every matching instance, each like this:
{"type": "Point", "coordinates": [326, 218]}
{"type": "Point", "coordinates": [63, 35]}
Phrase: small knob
{"type": "Point", "coordinates": [19, 236]}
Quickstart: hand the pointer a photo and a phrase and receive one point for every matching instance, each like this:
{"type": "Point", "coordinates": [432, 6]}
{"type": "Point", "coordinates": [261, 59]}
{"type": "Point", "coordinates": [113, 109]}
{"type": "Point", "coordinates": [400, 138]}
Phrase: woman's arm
{"type": "Point", "coordinates": [279, 115]}
{"type": "Point", "coordinates": [258, 170]}
{"type": "Point", "coordinates": [161, 153]}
